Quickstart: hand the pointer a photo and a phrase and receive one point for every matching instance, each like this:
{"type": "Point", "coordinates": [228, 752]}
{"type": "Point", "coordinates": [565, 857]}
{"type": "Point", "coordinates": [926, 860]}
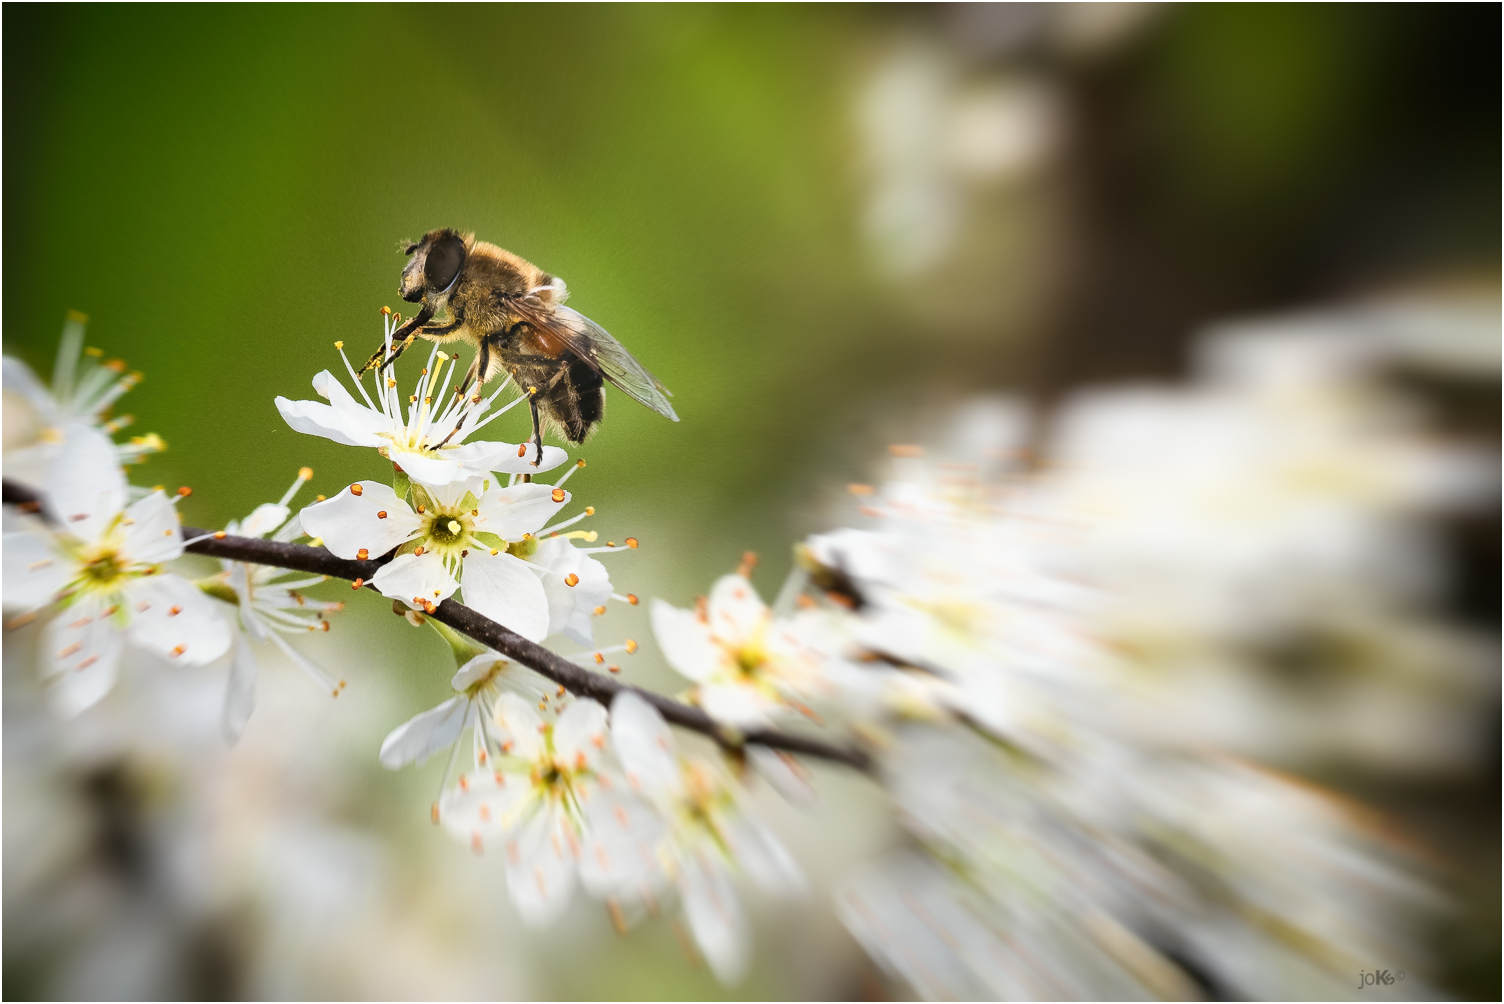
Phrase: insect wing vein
{"type": "Point", "coordinates": [594, 344]}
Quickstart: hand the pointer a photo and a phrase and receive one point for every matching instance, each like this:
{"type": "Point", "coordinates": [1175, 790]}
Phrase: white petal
{"type": "Point", "coordinates": [476, 808]}
{"type": "Point", "coordinates": [349, 522]}
{"type": "Point", "coordinates": [763, 858]}
{"type": "Point", "coordinates": [418, 738]}
{"type": "Point", "coordinates": [571, 608]}
{"type": "Point", "coordinates": [331, 390]}
{"type": "Point", "coordinates": [414, 578]}
{"type": "Point", "coordinates": [541, 866]}
{"type": "Point", "coordinates": [317, 419]}
{"type": "Point", "coordinates": [33, 571]}
{"type": "Point", "coordinates": [172, 618]}
{"type": "Point", "coordinates": [152, 531]}
{"type": "Point", "coordinates": [266, 518]}
{"type": "Point", "coordinates": [240, 693]}
{"type": "Point", "coordinates": [85, 489]}
{"type": "Point", "coordinates": [581, 732]}
{"type": "Point", "coordinates": [788, 776]}
{"type": "Point", "coordinates": [644, 746]}
{"type": "Point", "coordinates": [448, 496]}
{"type": "Point", "coordinates": [503, 457]}
{"type": "Point", "coordinates": [737, 614]}
{"type": "Point", "coordinates": [520, 509]}
{"type": "Point", "coordinates": [503, 588]}
{"type": "Point", "coordinates": [737, 705]}
{"type": "Point", "coordinates": [17, 376]}
{"type": "Point", "coordinates": [715, 917]}
{"type": "Point", "coordinates": [81, 655]}
{"type": "Point", "coordinates": [622, 854]}
{"type": "Point", "coordinates": [429, 470]}
{"type": "Point", "coordinates": [518, 728]}
{"type": "Point", "coordinates": [476, 670]}
{"type": "Point", "coordinates": [686, 642]}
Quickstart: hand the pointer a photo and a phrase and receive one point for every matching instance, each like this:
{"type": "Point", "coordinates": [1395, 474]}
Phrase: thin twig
{"type": "Point", "coordinates": [581, 681]}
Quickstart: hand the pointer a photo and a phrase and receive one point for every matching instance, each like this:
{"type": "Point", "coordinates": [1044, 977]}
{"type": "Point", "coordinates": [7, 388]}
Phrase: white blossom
{"type": "Point", "coordinates": [529, 793]}
{"type": "Point", "coordinates": [462, 530]}
{"type": "Point", "coordinates": [101, 574]}
{"type": "Point", "coordinates": [747, 667]}
{"type": "Point", "coordinates": [84, 387]}
{"type": "Point", "coordinates": [704, 840]}
{"type": "Point", "coordinates": [427, 442]}
{"type": "Point", "coordinates": [269, 607]}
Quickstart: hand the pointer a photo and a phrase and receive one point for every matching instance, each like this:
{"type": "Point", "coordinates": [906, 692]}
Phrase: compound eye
{"type": "Point", "coordinates": [443, 262]}
{"type": "Point", "coordinates": [409, 250]}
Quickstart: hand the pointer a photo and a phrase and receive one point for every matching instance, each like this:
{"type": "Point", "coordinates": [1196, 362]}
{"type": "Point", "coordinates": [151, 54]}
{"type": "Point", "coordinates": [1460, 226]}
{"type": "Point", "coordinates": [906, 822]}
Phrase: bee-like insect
{"type": "Point", "coordinates": [513, 314]}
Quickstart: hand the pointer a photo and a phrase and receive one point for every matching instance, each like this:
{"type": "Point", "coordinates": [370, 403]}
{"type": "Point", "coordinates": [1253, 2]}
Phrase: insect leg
{"type": "Point", "coordinates": [401, 339]}
{"type": "Point", "coordinates": [407, 333]}
{"type": "Point", "coordinates": [532, 401]}
{"type": "Point", "coordinates": [478, 375]}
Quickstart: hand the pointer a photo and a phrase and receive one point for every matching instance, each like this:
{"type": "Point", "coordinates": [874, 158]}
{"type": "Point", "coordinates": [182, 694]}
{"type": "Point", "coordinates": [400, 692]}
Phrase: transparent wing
{"type": "Point", "coordinates": [594, 344]}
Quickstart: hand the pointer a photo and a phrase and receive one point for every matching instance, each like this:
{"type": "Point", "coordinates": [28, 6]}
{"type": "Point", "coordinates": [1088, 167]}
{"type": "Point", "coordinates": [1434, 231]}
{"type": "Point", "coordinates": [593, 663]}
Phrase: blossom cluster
{"type": "Point", "coordinates": [999, 630]}
{"type": "Point", "coordinates": [1061, 648]}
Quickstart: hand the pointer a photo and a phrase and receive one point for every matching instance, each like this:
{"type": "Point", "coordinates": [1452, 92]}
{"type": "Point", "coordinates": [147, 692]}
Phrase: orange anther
{"type": "Point", "coordinates": [362, 554]}
{"type": "Point", "coordinates": [381, 514]}
{"type": "Point", "coordinates": [571, 579]}
{"type": "Point", "coordinates": [631, 647]}
{"type": "Point", "coordinates": [558, 495]}
{"type": "Point", "coordinates": [522, 451]}
{"type": "Point", "coordinates": [632, 542]}
{"type": "Point", "coordinates": [219, 535]}
{"type": "Point", "coordinates": [356, 490]}
{"type": "Point", "coordinates": [179, 650]}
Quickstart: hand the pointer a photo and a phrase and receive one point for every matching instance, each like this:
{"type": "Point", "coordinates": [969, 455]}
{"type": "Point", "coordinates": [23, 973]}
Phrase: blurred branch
{"type": "Point", "coordinates": [318, 561]}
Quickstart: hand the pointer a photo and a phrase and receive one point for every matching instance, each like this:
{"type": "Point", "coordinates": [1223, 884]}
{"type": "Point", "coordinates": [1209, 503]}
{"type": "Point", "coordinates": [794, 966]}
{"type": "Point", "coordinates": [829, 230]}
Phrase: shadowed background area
{"type": "Point", "coordinates": [817, 226]}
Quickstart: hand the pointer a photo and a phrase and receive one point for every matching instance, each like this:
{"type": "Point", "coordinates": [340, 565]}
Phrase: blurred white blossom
{"type": "Point", "coordinates": [100, 576]}
{"type": "Point", "coordinates": [84, 389]}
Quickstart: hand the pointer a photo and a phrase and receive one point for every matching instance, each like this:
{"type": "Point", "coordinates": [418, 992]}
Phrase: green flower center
{"type": "Point", "coordinates": [105, 570]}
{"type": "Point", "coordinates": [446, 529]}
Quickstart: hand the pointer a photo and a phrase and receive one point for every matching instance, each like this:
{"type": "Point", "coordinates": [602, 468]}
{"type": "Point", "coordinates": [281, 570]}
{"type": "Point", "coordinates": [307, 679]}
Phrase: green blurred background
{"type": "Point", "coordinates": [223, 189]}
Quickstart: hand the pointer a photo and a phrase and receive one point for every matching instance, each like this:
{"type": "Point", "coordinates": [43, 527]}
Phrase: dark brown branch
{"type": "Point", "coordinates": [581, 681]}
